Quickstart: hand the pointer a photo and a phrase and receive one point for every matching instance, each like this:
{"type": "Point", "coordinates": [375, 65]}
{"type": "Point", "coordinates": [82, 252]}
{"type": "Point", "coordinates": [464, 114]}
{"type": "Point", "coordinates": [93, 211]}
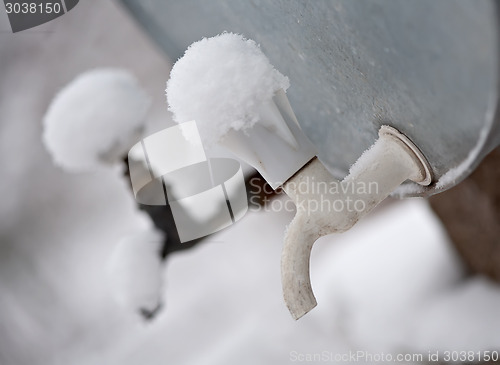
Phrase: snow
{"type": "Point", "coordinates": [58, 229]}
{"type": "Point", "coordinates": [408, 189]}
{"type": "Point", "coordinates": [472, 306]}
{"type": "Point", "coordinates": [463, 169]}
{"type": "Point", "coordinates": [96, 118]}
{"type": "Point", "coordinates": [221, 82]}
{"type": "Point", "coordinates": [135, 272]}
{"type": "Point", "coordinates": [382, 285]}
{"type": "Point", "coordinates": [391, 282]}
{"type": "Point", "coordinates": [455, 174]}
{"type": "Point", "coordinates": [365, 161]}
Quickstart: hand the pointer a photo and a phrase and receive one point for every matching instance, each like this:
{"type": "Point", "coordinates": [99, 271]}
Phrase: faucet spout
{"type": "Point", "coordinates": [326, 205]}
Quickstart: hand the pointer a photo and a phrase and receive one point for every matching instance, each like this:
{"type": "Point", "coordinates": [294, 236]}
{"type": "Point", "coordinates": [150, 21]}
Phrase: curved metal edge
{"type": "Point", "coordinates": [425, 167]}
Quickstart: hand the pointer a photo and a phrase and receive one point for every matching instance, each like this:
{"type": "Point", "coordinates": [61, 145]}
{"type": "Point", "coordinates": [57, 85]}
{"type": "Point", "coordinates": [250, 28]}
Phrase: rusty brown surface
{"type": "Point", "coordinates": [470, 213]}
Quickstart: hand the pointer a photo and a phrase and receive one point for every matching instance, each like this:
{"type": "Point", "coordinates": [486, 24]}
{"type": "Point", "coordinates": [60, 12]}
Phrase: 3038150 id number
{"type": "Point", "coordinates": [470, 356]}
{"type": "Point", "coordinates": [33, 8]}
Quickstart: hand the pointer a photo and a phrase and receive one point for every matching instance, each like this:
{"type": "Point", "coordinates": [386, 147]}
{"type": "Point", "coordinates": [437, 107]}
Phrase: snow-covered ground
{"type": "Point", "coordinates": [393, 284]}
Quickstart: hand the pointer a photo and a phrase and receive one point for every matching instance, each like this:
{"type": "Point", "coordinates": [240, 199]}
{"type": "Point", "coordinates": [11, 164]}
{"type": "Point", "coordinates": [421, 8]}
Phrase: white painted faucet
{"type": "Point", "coordinates": [326, 205]}
{"type": "Point", "coordinates": [285, 157]}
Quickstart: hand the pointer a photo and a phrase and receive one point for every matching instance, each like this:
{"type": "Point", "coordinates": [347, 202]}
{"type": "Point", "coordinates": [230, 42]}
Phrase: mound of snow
{"type": "Point", "coordinates": [94, 119]}
{"type": "Point", "coordinates": [135, 272]}
{"type": "Point", "coordinates": [221, 82]}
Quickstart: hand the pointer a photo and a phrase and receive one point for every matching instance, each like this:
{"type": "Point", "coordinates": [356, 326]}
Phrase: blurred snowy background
{"type": "Point", "coordinates": [393, 284]}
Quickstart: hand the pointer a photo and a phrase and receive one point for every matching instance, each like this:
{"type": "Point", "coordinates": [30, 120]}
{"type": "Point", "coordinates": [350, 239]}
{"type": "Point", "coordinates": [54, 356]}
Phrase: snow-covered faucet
{"type": "Point", "coordinates": [238, 100]}
{"type": "Point", "coordinates": [338, 205]}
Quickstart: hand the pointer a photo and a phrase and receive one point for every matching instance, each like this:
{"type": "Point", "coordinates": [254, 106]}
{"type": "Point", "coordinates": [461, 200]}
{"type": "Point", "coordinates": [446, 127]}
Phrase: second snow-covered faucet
{"type": "Point", "coordinates": [238, 100]}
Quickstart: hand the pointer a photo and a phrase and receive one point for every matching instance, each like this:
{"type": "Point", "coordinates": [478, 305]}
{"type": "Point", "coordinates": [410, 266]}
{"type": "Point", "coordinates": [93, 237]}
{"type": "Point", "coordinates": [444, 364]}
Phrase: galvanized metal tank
{"type": "Point", "coordinates": [428, 68]}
